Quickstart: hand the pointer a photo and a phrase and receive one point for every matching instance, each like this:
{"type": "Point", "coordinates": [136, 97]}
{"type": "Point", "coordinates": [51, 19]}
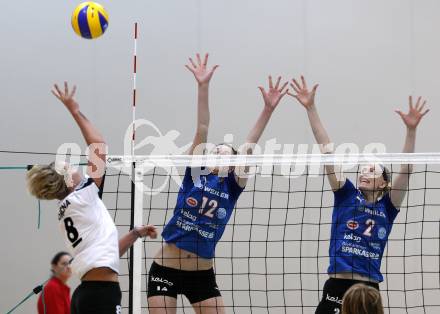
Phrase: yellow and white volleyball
{"type": "Point", "coordinates": [89, 20]}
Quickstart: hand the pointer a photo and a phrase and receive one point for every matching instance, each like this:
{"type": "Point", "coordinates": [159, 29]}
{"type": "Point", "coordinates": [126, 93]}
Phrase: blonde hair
{"type": "Point", "coordinates": [362, 299]}
{"type": "Point", "coordinates": [45, 183]}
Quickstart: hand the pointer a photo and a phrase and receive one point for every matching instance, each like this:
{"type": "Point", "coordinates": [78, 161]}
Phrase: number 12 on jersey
{"type": "Point", "coordinates": [212, 204]}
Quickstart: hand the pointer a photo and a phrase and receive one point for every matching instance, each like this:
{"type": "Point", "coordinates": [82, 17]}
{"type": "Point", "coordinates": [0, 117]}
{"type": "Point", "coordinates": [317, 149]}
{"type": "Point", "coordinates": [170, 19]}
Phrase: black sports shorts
{"type": "Point", "coordinates": [334, 290]}
{"type": "Point", "coordinates": [96, 297]}
{"type": "Point", "coordinates": [197, 286]}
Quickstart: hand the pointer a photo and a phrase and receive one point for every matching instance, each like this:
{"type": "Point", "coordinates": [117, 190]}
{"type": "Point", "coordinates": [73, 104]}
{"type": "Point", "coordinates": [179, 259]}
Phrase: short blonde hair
{"type": "Point", "coordinates": [362, 299]}
{"type": "Point", "coordinates": [45, 183]}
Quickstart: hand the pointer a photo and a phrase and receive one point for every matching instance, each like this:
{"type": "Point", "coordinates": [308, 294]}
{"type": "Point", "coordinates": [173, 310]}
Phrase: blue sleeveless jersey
{"type": "Point", "coordinates": [359, 232]}
{"type": "Point", "coordinates": [204, 206]}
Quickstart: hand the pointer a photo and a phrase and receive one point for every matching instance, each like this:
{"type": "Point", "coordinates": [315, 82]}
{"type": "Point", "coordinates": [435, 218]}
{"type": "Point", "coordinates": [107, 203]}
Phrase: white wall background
{"type": "Point", "coordinates": [368, 56]}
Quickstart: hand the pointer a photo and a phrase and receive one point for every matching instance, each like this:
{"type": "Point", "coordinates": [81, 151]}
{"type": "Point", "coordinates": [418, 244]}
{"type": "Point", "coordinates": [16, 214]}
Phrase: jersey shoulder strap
{"type": "Point", "coordinates": [87, 181]}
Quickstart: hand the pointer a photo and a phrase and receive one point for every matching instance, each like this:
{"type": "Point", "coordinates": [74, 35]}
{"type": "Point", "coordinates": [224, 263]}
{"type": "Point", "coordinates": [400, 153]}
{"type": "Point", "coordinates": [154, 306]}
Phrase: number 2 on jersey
{"type": "Point", "coordinates": [370, 224]}
{"type": "Point", "coordinates": [72, 233]}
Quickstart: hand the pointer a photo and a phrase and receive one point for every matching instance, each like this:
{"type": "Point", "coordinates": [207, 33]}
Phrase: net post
{"type": "Point", "coordinates": [135, 275]}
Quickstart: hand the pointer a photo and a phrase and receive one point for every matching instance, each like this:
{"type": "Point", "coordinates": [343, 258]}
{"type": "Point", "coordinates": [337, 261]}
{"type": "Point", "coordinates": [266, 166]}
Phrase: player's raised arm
{"type": "Point", "coordinates": [411, 121]}
{"type": "Point", "coordinates": [203, 76]}
{"type": "Point", "coordinates": [93, 138]}
{"type": "Point", "coordinates": [306, 98]}
{"type": "Point", "coordinates": [272, 98]}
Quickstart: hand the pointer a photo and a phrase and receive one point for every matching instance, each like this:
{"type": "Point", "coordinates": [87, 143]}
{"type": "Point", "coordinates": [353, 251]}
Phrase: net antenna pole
{"type": "Point", "coordinates": [135, 274]}
{"type": "Point", "coordinates": [134, 89]}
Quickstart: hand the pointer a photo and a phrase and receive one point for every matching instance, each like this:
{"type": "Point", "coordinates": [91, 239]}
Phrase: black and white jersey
{"type": "Point", "coordinates": [88, 229]}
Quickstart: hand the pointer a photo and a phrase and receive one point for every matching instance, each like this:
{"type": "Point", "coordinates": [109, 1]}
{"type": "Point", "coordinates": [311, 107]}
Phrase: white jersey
{"type": "Point", "coordinates": [88, 229]}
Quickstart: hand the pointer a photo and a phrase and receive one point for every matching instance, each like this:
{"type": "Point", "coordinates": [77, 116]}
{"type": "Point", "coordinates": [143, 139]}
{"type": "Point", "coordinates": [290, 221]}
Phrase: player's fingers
{"type": "Point", "coordinates": [192, 62]}
{"type": "Point", "coordinates": [270, 82]}
{"type": "Point", "coordinates": [294, 88]}
{"type": "Point", "coordinates": [422, 106]}
{"type": "Point", "coordinates": [277, 85]}
{"type": "Point", "coordinates": [57, 89]}
{"type": "Point", "coordinates": [283, 87]}
{"type": "Point", "coordinates": [424, 113]}
{"type": "Point", "coordinates": [214, 68]}
{"type": "Point", "coordinates": [189, 68]}
{"type": "Point", "coordinates": [296, 84]}
{"type": "Point", "coordinates": [303, 80]}
{"type": "Point", "coordinates": [400, 113]}
{"type": "Point", "coordinates": [55, 94]}
{"type": "Point", "coordinates": [73, 91]}
{"type": "Point", "coordinates": [418, 102]}
{"type": "Point", "coordinates": [290, 94]}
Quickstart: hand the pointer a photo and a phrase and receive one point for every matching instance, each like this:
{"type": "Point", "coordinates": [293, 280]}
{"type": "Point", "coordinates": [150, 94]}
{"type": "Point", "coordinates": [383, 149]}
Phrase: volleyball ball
{"type": "Point", "coordinates": [89, 20]}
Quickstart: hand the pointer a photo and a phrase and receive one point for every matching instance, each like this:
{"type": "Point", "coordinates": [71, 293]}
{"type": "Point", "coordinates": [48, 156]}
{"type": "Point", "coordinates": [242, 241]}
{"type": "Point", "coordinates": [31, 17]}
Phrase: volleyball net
{"type": "Point", "coordinates": [274, 254]}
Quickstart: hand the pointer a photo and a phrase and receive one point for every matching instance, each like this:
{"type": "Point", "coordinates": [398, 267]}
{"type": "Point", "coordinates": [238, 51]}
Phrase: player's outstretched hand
{"type": "Point", "coordinates": [200, 69]}
{"type": "Point", "coordinates": [66, 97]}
{"type": "Point", "coordinates": [305, 96]}
{"type": "Point", "coordinates": [273, 96]}
{"type": "Point", "coordinates": [415, 113]}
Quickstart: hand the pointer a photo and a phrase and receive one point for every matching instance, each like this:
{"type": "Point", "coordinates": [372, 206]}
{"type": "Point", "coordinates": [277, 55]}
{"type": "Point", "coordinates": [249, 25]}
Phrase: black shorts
{"type": "Point", "coordinates": [96, 297]}
{"type": "Point", "coordinates": [334, 290]}
{"type": "Point", "coordinates": [197, 286]}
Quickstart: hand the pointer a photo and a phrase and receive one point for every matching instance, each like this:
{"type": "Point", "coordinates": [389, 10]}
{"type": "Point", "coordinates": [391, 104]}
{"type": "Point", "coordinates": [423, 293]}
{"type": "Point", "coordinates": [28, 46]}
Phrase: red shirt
{"type": "Point", "coordinates": [56, 298]}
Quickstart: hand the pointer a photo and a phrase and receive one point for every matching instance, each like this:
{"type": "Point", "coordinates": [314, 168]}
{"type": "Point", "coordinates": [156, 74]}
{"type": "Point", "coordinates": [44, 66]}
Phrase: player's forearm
{"type": "Point", "coordinates": [201, 135]}
{"type": "Point", "coordinates": [410, 141]}
{"type": "Point", "coordinates": [203, 108]}
{"type": "Point", "coordinates": [409, 147]}
{"type": "Point", "coordinates": [258, 128]}
{"type": "Point", "coordinates": [90, 133]}
{"type": "Point", "coordinates": [127, 241]}
{"type": "Point", "coordinates": [318, 129]}
{"type": "Point", "coordinates": [334, 173]}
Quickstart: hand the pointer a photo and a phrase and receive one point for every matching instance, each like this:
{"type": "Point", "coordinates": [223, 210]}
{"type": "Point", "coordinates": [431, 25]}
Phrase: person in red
{"type": "Point", "coordinates": [55, 297]}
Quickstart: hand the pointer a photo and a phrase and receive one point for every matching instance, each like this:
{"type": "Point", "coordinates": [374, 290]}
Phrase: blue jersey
{"type": "Point", "coordinates": [359, 232]}
{"type": "Point", "coordinates": [204, 206]}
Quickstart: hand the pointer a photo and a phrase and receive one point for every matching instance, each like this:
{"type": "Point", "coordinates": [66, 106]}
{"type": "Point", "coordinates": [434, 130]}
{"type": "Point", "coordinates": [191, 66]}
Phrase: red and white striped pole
{"type": "Point", "coordinates": [134, 87]}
